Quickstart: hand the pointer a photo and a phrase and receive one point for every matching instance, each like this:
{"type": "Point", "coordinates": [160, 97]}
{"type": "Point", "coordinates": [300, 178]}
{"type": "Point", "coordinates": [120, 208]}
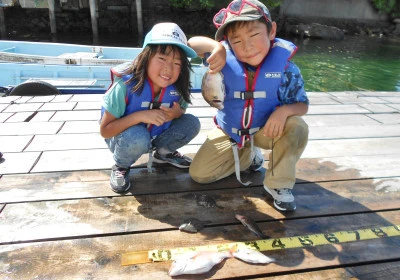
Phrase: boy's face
{"type": "Point", "coordinates": [251, 42]}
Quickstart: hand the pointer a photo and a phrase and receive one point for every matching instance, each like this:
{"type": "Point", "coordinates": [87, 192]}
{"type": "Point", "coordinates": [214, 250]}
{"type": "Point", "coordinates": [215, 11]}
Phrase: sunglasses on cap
{"type": "Point", "coordinates": [235, 8]}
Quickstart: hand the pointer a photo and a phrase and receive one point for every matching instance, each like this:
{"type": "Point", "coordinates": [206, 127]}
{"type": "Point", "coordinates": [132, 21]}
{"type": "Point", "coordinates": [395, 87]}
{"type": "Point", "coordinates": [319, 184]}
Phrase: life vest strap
{"type": "Point", "coordinates": [245, 131]}
{"type": "Point", "coordinates": [245, 95]}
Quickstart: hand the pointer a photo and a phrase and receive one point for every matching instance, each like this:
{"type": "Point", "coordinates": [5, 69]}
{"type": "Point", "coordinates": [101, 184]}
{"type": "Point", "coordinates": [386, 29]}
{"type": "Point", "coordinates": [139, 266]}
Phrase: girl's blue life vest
{"type": "Point", "coordinates": [145, 100]}
{"type": "Point", "coordinates": [246, 110]}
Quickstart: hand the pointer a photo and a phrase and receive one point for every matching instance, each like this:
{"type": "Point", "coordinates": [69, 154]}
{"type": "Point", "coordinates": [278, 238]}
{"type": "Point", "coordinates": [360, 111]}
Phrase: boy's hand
{"type": "Point", "coordinates": [276, 123]}
{"type": "Point", "coordinates": [217, 59]}
{"type": "Point", "coordinates": [172, 113]}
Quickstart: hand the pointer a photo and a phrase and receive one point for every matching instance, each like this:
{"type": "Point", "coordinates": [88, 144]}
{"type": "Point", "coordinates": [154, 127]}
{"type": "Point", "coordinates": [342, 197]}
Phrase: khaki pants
{"type": "Point", "coordinates": [215, 161]}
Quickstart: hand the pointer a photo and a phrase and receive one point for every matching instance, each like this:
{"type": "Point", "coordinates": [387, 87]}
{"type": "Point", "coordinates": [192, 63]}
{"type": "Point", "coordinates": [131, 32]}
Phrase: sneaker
{"type": "Point", "coordinates": [258, 160]}
{"type": "Point", "coordinates": [175, 158]}
{"type": "Point", "coordinates": [119, 179]}
{"type": "Point", "coordinates": [283, 199]}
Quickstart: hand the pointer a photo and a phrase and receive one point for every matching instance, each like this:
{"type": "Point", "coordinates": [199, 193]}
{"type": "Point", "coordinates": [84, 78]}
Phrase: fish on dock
{"type": "Point", "coordinates": [251, 225]}
{"type": "Point", "coordinates": [213, 89]}
{"type": "Point", "coordinates": [250, 256]}
{"type": "Point", "coordinates": [192, 225]}
{"type": "Point", "coordinates": [197, 262]}
{"type": "Point", "coordinates": [206, 201]}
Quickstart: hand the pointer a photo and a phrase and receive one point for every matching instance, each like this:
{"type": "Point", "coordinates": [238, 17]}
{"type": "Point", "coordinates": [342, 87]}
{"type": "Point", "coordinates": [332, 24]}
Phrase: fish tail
{"type": "Point", "coordinates": [233, 249]}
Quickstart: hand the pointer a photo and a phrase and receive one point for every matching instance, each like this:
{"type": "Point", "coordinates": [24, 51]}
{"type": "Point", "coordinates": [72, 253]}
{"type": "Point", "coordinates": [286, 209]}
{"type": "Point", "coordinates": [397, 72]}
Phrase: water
{"type": "Point", "coordinates": [356, 63]}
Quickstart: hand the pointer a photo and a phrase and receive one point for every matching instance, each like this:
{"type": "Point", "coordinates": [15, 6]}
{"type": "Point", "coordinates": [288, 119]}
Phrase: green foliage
{"type": "Point", "coordinates": [215, 3]}
{"type": "Point", "coordinates": [188, 3]}
{"type": "Point", "coordinates": [392, 7]}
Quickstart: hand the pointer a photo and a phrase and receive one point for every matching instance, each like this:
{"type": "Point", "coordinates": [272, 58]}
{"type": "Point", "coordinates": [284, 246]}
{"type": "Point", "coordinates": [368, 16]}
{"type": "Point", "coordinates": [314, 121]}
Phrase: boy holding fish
{"type": "Point", "coordinates": [264, 100]}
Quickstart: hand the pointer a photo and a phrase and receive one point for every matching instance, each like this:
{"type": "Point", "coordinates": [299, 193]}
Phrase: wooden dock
{"type": "Point", "coordinates": [59, 218]}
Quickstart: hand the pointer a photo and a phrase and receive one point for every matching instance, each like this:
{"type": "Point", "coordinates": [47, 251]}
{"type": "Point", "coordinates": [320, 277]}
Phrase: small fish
{"type": "Point", "coordinates": [251, 256]}
{"type": "Point", "coordinates": [197, 262]}
{"type": "Point", "coordinates": [251, 225]}
{"type": "Point", "coordinates": [192, 225]}
{"type": "Point", "coordinates": [213, 89]}
{"type": "Point", "coordinates": [206, 201]}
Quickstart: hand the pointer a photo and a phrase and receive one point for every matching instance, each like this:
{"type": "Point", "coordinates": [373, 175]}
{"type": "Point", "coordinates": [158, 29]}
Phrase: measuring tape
{"type": "Point", "coordinates": [304, 241]}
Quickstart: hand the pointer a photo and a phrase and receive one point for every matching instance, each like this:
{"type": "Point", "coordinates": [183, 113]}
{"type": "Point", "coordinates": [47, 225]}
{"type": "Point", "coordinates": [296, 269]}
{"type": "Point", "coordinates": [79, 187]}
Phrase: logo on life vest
{"type": "Point", "coordinates": [273, 75]}
{"type": "Point", "coordinates": [173, 93]}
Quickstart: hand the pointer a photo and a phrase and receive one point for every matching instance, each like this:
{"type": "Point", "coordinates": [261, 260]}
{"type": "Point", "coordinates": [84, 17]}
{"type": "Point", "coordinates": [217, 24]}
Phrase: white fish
{"type": "Point", "coordinates": [251, 256]}
{"type": "Point", "coordinates": [197, 262]}
{"type": "Point", "coordinates": [213, 89]}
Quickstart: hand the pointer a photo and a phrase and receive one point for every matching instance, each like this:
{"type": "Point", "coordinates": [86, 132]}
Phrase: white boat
{"type": "Point", "coordinates": [68, 67]}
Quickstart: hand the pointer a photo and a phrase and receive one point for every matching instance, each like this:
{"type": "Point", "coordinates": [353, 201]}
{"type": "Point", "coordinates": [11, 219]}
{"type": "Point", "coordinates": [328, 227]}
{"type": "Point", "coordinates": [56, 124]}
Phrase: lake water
{"type": "Point", "coordinates": [356, 63]}
{"type": "Point", "coordinates": [353, 64]}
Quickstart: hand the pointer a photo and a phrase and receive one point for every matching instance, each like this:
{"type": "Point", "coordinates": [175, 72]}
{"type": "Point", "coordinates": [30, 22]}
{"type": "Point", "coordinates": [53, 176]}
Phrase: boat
{"type": "Point", "coordinates": [70, 68]}
{"type": "Point", "coordinates": [60, 53]}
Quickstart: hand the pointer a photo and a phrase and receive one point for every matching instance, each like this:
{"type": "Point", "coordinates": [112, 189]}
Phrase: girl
{"type": "Point", "coordinates": [144, 109]}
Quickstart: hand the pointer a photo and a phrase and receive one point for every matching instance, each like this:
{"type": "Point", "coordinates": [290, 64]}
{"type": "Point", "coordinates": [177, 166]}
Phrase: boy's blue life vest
{"type": "Point", "coordinates": [257, 102]}
{"type": "Point", "coordinates": [145, 100]}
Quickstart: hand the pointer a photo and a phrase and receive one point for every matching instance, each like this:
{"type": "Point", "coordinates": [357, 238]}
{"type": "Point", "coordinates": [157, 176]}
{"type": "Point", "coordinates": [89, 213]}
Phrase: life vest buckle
{"type": "Point", "coordinates": [154, 105]}
{"type": "Point", "coordinates": [246, 95]}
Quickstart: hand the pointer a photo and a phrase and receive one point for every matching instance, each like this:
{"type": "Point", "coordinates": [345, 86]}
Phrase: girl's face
{"type": "Point", "coordinates": [251, 42]}
{"type": "Point", "coordinates": [164, 69]}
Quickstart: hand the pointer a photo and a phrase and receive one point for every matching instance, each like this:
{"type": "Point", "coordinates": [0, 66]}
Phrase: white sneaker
{"type": "Point", "coordinates": [283, 199]}
{"type": "Point", "coordinates": [258, 160]}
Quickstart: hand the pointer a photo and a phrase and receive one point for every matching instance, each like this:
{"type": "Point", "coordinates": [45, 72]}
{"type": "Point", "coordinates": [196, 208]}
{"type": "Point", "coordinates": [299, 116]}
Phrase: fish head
{"type": "Point", "coordinates": [213, 89]}
{"type": "Point", "coordinates": [178, 267]}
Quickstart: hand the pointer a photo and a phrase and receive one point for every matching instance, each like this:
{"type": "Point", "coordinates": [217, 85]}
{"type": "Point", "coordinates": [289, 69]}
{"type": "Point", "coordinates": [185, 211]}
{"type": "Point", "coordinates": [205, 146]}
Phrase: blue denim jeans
{"type": "Point", "coordinates": [128, 146]}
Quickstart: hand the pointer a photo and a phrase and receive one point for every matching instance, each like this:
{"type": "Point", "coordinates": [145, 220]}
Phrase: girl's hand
{"type": "Point", "coordinates": [156, 117]}
{"type": "Point", "coordinates": [172, 113]}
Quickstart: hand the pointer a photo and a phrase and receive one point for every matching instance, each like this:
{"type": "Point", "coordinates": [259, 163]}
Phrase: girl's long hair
{"type": "Point", "coordinates": [139, 69]}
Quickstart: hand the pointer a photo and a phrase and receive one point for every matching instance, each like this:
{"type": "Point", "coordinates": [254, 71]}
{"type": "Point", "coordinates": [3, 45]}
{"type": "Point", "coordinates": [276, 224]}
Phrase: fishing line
{"type": "Point", "coordinates": [304, 241]}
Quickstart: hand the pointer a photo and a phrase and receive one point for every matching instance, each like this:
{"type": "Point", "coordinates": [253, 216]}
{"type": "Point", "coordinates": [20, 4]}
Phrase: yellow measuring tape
{"type": "Point", "coordinates": [161, 255]}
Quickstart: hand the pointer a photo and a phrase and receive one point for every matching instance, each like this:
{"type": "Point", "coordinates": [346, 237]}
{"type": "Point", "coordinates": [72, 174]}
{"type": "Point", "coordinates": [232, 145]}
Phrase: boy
{"type": "Point", "coordinates": [264, 100]}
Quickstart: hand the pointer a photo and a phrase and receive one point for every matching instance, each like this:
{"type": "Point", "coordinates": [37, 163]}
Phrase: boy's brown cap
{"type": "Point", "coordinates": [249, 12]}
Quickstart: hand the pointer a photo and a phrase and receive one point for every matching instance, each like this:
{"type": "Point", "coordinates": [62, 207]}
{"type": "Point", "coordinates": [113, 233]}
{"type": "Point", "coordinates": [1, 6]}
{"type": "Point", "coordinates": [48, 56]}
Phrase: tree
{"type": "Point", "coordinates": [215, 3]}
{"type": "Point", "coordinates": [391, 7]}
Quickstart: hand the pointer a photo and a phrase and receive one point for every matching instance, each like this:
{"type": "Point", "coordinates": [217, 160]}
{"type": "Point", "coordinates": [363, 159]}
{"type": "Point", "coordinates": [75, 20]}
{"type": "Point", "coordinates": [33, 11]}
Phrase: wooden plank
{"type": "Point", "coordinates": [19, 117]}
{"type": "Point", "coordinates": [387, 270]}
{"type": "Point", "coordinates": [87, 97]}
{"type": "Point", "coordinates": [385, 118]}
{"type": "Point", "coordinates": [396, 106]}
{"type": "Point", "coordinates": [23, 107]}
{"type": "Point", "coordinates": [42, 99]}
{"type": "Point", "coordinates": [336, 109]}
{"type": "Point", "coordinates": [354, 132]}
{"type": "Point", "coordinates": [100, 256]}
{"type": "Point", "coordinates": [352, 147]}
{"type": "Point", "coordinates": [43, 116]}
{"type": "Point", "coordinates": [31, 128]}
{"type": "Point", "coordinates": [58, 106]}
{"type": "Point", "coordinates": [9, 99]}
{"type": "Point", "coordinates": [60, 142]}
{"type": "Point", "coordinates": [379, 108]}
{"type": "Point", "coordinates": [392, 99]}
{"type": "Point", "coordinates": [335, 120]}
{"type": "Point", "coordinates": [18, 162]}
{"type": "Point", "coordinates": [76, 116]}
{"type": "Point", "coordinates": [62, 98]}
{"type": "Point", "coordinates": [93, 105]}
{"type": "Point", "coordinates": [80, 127]}
{"type": "Point", "coordinates": [14, 143]}
{"type": "Point", "coordinates": [74, 160]}
{"type": "Point", "coordinates": [3, 106]}
{"type": "Point", "coordinates": [138, 213]}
